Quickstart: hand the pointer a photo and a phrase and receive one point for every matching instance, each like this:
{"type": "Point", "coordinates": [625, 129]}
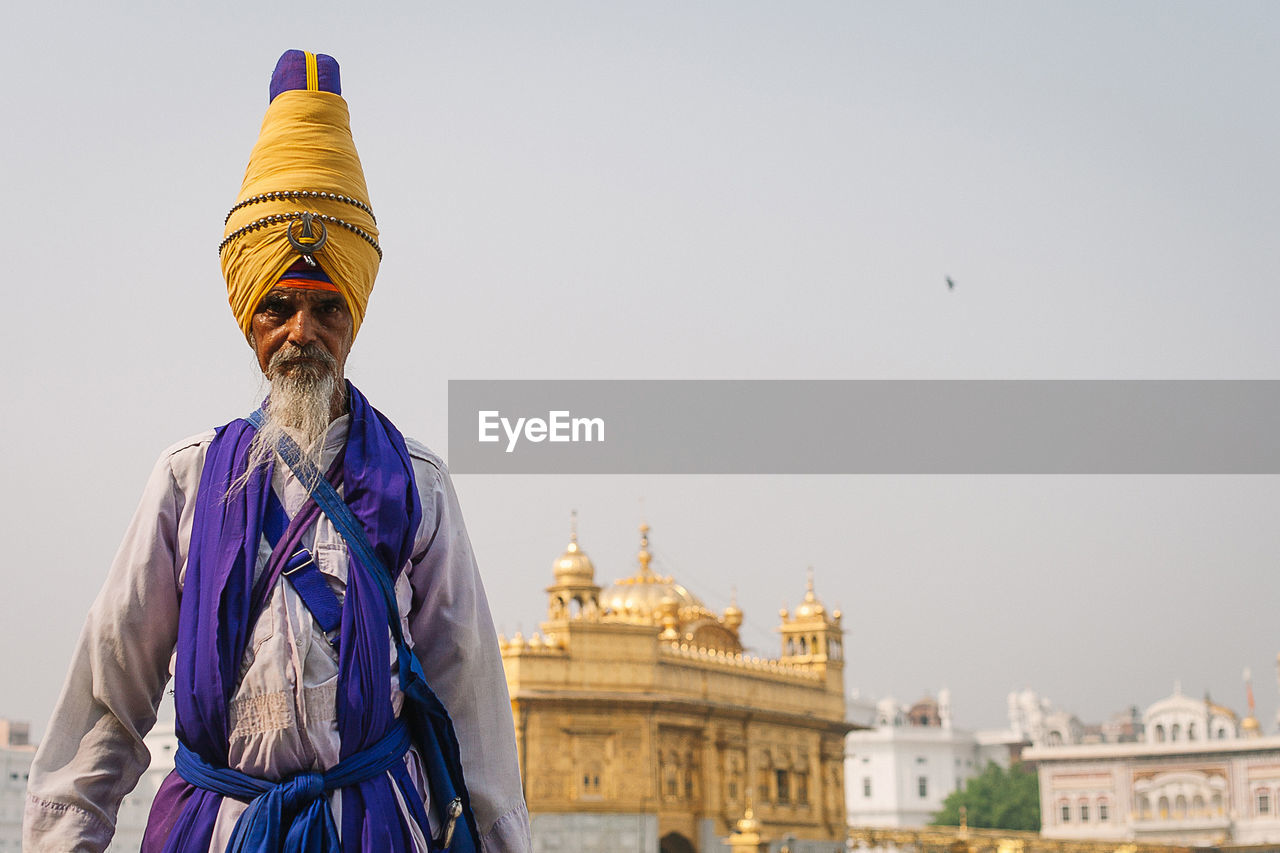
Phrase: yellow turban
{"type": "Point", "coordinates": [305, 162]}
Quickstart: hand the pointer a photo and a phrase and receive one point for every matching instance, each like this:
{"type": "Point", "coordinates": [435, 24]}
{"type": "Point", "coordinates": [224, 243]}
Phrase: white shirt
{"type": "Point", "coordinates": [282, 713]}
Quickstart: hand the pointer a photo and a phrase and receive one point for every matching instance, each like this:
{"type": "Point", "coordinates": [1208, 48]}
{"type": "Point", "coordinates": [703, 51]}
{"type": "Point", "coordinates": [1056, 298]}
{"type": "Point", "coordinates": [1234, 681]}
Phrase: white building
{"type": "Point", "coordinates": [898, 773]}
{"type": "Point", "coordinates": [1197, 776]}
{"type": "Point", "coordinates": [16, 752]}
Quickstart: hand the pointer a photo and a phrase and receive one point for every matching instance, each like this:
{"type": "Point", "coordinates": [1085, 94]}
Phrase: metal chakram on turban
{"type": "Point", "coordinates": [303, 197]}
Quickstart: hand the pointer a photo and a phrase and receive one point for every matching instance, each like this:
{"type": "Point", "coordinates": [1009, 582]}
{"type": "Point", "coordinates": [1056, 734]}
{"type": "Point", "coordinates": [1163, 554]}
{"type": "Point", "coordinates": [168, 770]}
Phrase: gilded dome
{"type": "Point", "coordinates": [733, 614]}
{"type": "Point", "coordinates": [811, 607]}
{"type": "Point", "coordinates": [648, 598]}
{"type": "Point", "coordinates": [1215, 708]}
{"type": "Point", "coordinates": [574, 566]}
{"type": "Point", "coordinates": [641, 595]}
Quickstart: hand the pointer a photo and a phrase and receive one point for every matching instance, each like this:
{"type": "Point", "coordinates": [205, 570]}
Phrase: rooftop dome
{"type": "Point", "coordinates": [732, 613]}
{"type": "Point", "coordinates": [811, 607]}
{"type": "Point", "coordinates": [573, 567]}
{"type": "Point", "coordinates": [1215, 708]}
{"type": "Point", "coordinates": [648, 598]}
{"type": "Point", "coordinates": [925, 713]}
{"type": "Point", "coordinates": [641, 595]}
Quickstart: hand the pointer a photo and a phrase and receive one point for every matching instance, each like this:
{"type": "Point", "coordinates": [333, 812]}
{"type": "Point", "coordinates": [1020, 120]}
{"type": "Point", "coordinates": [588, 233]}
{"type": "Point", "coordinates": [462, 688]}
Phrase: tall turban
{"type": "Point", "coordinates": [304, 180]}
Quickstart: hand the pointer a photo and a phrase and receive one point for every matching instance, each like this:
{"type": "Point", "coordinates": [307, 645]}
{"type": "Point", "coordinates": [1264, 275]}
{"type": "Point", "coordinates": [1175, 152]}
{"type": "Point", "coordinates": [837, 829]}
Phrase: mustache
{"type": "Point", "coordinates": [292, 354]}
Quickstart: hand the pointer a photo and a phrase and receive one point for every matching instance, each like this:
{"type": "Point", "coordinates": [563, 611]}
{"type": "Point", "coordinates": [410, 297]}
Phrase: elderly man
{"type": "Point", "coordinates": [304, 573]}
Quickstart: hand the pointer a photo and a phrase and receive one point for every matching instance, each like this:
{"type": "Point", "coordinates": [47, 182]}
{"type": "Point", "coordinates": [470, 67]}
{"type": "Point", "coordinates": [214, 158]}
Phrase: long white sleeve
{"type": "Point", "coordinates": [93, 754]}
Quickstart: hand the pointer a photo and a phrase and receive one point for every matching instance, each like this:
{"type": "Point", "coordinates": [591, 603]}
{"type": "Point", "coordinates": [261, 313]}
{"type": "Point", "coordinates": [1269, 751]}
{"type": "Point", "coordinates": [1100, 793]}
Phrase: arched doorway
{"type": "Point", "coordinates": [674, 842]}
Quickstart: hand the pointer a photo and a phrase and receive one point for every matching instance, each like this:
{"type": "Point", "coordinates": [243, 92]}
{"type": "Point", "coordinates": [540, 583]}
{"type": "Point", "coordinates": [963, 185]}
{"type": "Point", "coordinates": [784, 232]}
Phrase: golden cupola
{"type": "Point", "coordinates": [574, 566]}
{"type": "Point", "coordinates": [812, 634]}
{"type": "Point", "coordinates": [648, 598]}
{"type": "Point", "coordinates": [732, 615]}
{"type": "Point", "coordinates": [574, 593]}
{"type": "Point", "coordinates": [811, 607]}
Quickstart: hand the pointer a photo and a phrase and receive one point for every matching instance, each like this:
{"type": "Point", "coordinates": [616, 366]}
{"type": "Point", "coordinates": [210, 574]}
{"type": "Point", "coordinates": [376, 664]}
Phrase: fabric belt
{"type": "Point", "coordinates": [292, 814]}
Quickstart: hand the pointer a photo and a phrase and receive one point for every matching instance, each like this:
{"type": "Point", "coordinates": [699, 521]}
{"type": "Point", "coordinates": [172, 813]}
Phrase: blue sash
{"type": "Point", "coordinates": [427, 717]}
{"type": "Point", "coordinates": [294, 814]}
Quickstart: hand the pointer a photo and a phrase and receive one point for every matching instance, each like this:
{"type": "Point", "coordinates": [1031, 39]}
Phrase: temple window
{"type": "Point", "coordinates": [784, 785]}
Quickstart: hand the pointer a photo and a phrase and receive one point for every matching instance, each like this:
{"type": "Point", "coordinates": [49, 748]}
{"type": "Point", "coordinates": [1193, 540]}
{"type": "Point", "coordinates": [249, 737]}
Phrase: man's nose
{"type": "Point", "coordinates": [302, 327]}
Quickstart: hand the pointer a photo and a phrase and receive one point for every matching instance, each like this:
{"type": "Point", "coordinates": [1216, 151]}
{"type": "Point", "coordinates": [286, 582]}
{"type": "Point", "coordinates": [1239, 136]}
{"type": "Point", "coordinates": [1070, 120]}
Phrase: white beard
{"type": "Point", "coordinates": [300, 405]}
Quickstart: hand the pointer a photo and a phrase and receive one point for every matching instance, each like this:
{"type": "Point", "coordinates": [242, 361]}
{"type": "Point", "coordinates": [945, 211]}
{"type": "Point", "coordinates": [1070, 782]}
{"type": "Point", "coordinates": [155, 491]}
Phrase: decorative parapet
{"type": "Point", "coordinates": [535, 645]}
{"type": "Point", "coordinates": [740, 662]}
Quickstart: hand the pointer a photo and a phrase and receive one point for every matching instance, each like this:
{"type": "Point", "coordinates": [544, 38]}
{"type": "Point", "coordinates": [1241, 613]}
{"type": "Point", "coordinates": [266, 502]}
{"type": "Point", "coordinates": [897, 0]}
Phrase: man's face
{"type": "Point", "coordinates": [301, 317]}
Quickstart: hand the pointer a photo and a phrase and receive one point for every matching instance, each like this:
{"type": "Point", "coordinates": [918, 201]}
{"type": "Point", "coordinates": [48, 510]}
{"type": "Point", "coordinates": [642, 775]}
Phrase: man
{"type": "Point", "coordinates": [300, 572]}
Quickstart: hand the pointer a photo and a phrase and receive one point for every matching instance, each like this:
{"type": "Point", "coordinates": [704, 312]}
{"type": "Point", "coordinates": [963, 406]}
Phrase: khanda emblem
{"type": "Point", "coordinates": [308, 242]}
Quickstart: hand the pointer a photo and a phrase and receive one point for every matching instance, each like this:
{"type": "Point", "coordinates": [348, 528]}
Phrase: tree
{"type": "Point", "coordinates": [996, 799]}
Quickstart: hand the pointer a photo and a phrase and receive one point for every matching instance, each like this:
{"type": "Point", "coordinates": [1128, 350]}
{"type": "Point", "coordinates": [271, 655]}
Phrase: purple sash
{"type": "Point", "coordinates": [215, 625]}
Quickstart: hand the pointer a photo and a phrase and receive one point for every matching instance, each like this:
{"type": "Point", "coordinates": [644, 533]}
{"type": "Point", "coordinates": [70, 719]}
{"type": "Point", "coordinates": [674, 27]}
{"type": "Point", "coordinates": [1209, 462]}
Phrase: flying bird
{"type": "Point", "coordinates": [951, 285]}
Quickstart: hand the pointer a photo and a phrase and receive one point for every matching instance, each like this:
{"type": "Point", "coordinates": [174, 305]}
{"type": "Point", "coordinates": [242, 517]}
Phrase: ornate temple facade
{"type": "Point", "coordinates": [643, 726]}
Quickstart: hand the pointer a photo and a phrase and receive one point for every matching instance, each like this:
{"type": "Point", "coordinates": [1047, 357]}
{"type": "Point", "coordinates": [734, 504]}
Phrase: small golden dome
{"type": "Point", "coordinates": [574, 566]}
{"type": "Point", "coordinates": [1250, 724]}
{"type": "Point", "coordinates": [810, 608]}
{"type": "Point", "coordinates": [1215, 708]}
{"type": "Point", "coordinates": [747, 823]}
{"type": "Point", "coordinates": [732, 615]}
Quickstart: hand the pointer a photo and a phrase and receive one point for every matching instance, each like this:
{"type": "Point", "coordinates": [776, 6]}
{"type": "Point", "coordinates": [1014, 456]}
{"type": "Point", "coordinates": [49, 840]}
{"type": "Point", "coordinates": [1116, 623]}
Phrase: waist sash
{"type": "Point", "coordinates": [293, 814]}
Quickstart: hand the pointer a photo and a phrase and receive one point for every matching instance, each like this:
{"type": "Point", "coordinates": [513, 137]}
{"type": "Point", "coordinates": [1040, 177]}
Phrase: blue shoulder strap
{"type": "Point", "coordinates": [332, 504]}
{"type": "Point", "coordinates": [302, 571]}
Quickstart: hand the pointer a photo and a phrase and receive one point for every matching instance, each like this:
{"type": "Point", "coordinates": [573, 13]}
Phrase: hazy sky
{"type": "Point", "coordinates": [690, 190]}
